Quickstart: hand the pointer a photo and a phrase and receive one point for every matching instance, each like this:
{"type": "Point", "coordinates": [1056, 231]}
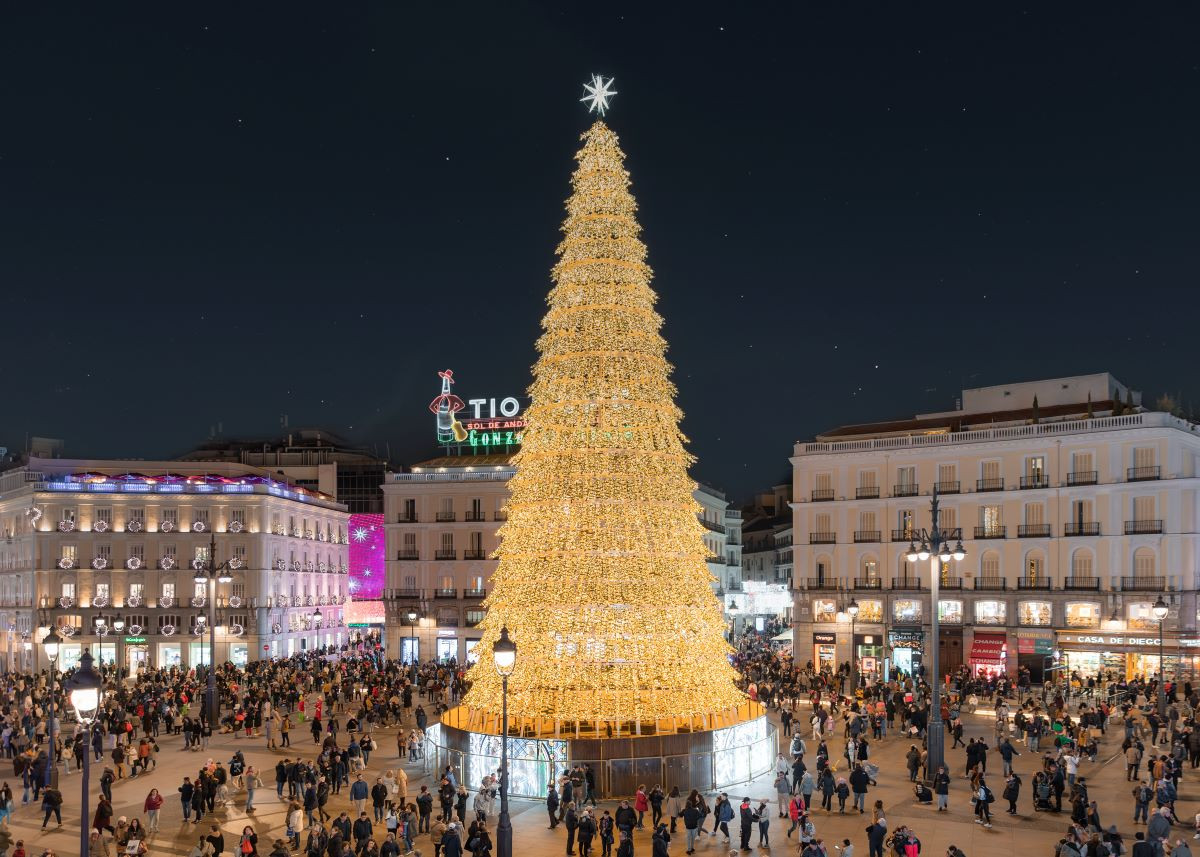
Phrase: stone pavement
{"type": "Point", "coordinates": [1034, 833]}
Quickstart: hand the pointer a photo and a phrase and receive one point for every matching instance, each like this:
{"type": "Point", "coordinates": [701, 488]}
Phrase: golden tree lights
{"type": "Point", "coordinates": [602, 579]}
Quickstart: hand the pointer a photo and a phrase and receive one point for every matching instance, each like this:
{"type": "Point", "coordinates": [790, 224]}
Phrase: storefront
{"type": "Point", "coordinates": [1128, 655]}
{"type": "Point", "coordinates": [989, 654]}
{"type": "Point", "coordinates": [868, 655]}
{"type": "Point", "coordinates": [825, 651]}
{"type": "Point", "coordinates": [908, 648]}
{"type": "Point", "coordinates": [1035, 652]}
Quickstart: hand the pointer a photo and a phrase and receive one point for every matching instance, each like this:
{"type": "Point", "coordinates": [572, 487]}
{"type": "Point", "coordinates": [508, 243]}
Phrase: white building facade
{"type": "Point", "coordinates": [94, 545]}
{"type": "Point", "coordinates": [1077, 513]}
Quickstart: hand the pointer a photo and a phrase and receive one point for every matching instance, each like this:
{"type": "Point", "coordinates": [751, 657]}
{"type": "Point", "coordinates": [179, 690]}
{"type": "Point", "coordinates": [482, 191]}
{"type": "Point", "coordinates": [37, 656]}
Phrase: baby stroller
{"type": "Point", "coordinates": [871, 770]}
{"type": "Point", "coordinates": [1041, 797]}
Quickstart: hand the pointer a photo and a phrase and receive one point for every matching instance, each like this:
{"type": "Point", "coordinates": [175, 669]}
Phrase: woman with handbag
{"type": "Point", "coordinates": [248, 846]}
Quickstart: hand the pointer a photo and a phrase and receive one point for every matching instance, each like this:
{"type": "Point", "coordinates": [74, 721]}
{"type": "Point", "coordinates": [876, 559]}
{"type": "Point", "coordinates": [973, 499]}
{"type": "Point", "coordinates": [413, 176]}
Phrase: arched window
{"type": "Point", "coordinates": [1035, 568]}
{"type": "Point", "coordinates": [1082, 566]}
{"type": "Point", "coordinates": [989, 565]}
{"type": "Point", "coordinates": [1144, 563]}
{"type": "Point", "coordinates": [906, 570]}
{"type": "Point", "coordinates": [868, 569]}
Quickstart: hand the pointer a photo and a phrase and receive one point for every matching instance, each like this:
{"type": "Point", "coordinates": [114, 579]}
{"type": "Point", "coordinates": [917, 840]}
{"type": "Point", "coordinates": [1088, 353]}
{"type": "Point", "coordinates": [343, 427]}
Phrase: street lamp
{"type": "Point", "coordinates": [935, 542]}
{"type": "Point", "coordinates": [51, 646]}
{"type": "Point", "coordinates": [412, 617]}
{"type": "Point", "coordinates": [212, 574]}
{"type": "Point", "coordinates": [87, 690]}
{"type": "Point", "coordinates": [504, 655]}
{"type": "Point", "coordinates": [1160, 610]}
{"type": "Point", "coordinates": [852, 609]}
{"type": "Point", "coordinates": [119, 629]}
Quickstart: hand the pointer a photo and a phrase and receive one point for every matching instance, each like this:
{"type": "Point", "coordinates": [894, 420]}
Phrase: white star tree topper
{"type": "Point", "coordinates": [598, 93]}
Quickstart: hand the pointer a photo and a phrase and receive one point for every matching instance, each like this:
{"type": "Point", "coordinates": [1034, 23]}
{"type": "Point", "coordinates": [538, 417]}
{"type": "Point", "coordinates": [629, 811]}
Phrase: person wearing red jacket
{"type": "Point", "coordinates": [153, 804]}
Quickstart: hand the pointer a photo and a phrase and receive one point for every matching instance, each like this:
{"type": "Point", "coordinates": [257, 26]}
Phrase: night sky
{"type": "Point", "coordinates": [853, 210]}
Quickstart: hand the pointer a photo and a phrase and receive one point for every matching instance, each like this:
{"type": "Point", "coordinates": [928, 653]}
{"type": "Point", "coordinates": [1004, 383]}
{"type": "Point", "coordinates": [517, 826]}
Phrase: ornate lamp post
{"type": "Point", "coordinates": [119, 629]}
{"type": "Point", "coordinates": [1160, 610]}
{"type": "Point", "coordinates": [412, 616]}
{"type": "Point", "coordinates": [504, 655]}
{"type": "Point", "coordinates": [935, 543]}
{"type": "Point", "coordinates": [51, 646]}
{"type": "Point", "coordinates": [852, 609]}
{"type": "Point", "coordinates": [87, 690]}
{"type": "Point", "coordinates": [211, 573]}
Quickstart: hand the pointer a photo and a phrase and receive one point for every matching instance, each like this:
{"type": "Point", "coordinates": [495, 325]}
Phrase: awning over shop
{"type": "Point", "coordinates": [988, 648]}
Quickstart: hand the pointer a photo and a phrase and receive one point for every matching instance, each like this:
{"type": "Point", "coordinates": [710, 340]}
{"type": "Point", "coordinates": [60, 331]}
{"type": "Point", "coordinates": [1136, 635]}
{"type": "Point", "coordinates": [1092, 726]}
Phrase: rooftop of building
{"type": "Point", "coordinates": [312, 445]}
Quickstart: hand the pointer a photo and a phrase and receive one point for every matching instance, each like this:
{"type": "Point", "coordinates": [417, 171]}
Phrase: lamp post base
{"type": "Point", "coordinates": [935, 740]}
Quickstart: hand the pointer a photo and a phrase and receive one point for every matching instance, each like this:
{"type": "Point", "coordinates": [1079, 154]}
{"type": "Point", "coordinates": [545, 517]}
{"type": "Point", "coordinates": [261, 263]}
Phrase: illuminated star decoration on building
{"type": "Point", "coordinates": [366, 555]}
{"type": "Point", "coordinates": [360, 534]}
{"type": "Point", "coordinates": [598, 93]}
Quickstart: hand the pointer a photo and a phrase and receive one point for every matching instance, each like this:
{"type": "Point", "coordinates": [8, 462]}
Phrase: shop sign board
{"type": "Point", "coordinates": [824, 639]}
{"type": "Point", "coordinates": [1112, 640]}
{"type": "Point", "coordinates": [900, 638]}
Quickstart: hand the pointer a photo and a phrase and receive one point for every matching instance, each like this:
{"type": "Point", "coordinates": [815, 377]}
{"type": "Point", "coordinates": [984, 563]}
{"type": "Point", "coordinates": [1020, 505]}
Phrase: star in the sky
{"type": "Point", "coordinates": [598, 93]}
{"type": "Point", "coordinates": [360, 534]}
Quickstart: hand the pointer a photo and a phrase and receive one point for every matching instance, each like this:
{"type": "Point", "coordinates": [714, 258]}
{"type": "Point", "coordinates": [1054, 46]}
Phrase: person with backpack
{"type": "Point", "coordinates": [983, 798]}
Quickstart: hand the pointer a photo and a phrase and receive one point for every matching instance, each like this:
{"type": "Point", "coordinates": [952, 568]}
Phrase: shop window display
{"type": "Point", "coordinates": [991, 612]}
{"type": "Point", "coordinates": [870, 611]}
{"type": "Point", "coordinates": [1083, 614]}
{"type": "Point", "coordinates": [950, 612]}
{"type": "Point", "coordinates": [906, 611]}
{"type": "Point", "coordinates": [1034, 613]}
{"type": "Point", "coordinates": [824, 610]}
{"type": "Point", "coordinates": [1141, 616]}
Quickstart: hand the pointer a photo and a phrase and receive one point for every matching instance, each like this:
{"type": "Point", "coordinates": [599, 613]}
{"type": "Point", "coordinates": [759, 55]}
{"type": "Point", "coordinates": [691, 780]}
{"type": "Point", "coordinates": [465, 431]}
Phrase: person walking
{"type": "Point", "coordinates": [152, 806]}
{"type": "Point", "coordinates": [746, 817]}
{"type": "Point", "coordinates": [983, 798]}
{"type": "Point", "coordinates": [941, 788]}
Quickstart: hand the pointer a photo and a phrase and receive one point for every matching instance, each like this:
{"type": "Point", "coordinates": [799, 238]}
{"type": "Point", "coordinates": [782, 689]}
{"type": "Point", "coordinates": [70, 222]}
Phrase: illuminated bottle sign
{"type": "Point", "coordinates": [486, 424]}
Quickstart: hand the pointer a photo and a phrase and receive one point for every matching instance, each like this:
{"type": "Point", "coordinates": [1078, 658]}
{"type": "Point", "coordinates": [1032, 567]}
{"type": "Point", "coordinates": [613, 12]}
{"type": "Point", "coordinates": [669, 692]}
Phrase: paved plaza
{"type": "Point", "coordinates": [1030, 832]}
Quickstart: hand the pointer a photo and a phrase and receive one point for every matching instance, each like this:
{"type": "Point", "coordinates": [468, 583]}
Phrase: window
{"type": "Point", "coordinates": [1143, 563]}
{"type": "Point", "coordinates": [868, 479]}
{"type": "Point", "coordinates": [1081, 512]}
{"type": "Point", "coordinates": [410, 582]}
{"type": "Point", "coordinates": [1035, 568]}
{"type": "Point", "coordinates": [1141, 616]}
{"type": "Point", "coordinates": [1035, 514]}
{"type": "Point", "coordinates": [103, 590]}
{"type": "Point", "coordinates": [1143, 456]}
{"type": "Point", "coordinates": [476, 511]}
{"type": "Point", "coordinates": [446, 512]}
{"type": "Point", "coordinates": [168, 590]}
{"type": "Point", "coordinates": [1081, 462]}
{"type": "Point", "coordinates": [475, 616]}
{"type": "Point", "coordinates": [870, 610]}
{"type": "Point", "coordinates": [104, 552]}
{"type": "Point", "coordinates": [989, 470]}
{"type": "Point", "coordinates": [68, 590]}
{"type": "Point", "coordinates": [906, 611]}
{"type": "Point", "coordinates": [948, 518]}
{"type": "Point", "coordinates": [170, 517]}
{"type": "Point", "coordinates": [446, 582]}
{"type": "Point", "coordinates": [201, 516]}
{"type": "Point", "coordinates": [866, 521]}
{"type": "Point", "coordinates": [824, 610]}
{"type": "Point", "coordinates": [410, 543]}
{"type": "Point", "coordinates": [990, 518]}
{"type": "Point", "coordinates": [276, 526]}
{"type": "Point", "coordinates": [904, 522]}
{"type": "Point", "coordinates": [951, 612]}
{"type": "Point", "coordinates": [137, 590]}
{"type": "Point", "coordinates": [1035, 468]}
{"type": "Point", "coordinates": [477, 583]}
{"type": "Point", "coordinates": [1082, 614]}
{"type": "Point", "coordinates": [237, 519]}
{"type": "Point", "coordinates": [199, 590]}
{"type": "Point", "coordinates": [1143, 509]}
{"type": "Point", "coordinates": [409, 512]}
{"type": "Point", "coordinates": [103, 520]}
{"type": "Point", "coordinates": [1081, 564]}
{"type": "Point", "coordinates": [991, 612]}
{"type": "Point", "coordinates": [1034, 613]}
{"type": "Point", "coordinates": [947, 474]}
{"type": "Point", "coordinates": [201, 555]}
{"type": "Point", "coordinates": [823, 482]}
{"type": "Point", "coordinates": [823, 523]}
{"type": "Point", "coordinates": [138, 552]}
{"type": "Point", "coordinates": [239, 557]}
{"type": "Point", "coordinates": [870, 569]}
{"type": "Point", "coordinates": [68, 515]}
{"type": "Point", "coordinates": [69, 554]}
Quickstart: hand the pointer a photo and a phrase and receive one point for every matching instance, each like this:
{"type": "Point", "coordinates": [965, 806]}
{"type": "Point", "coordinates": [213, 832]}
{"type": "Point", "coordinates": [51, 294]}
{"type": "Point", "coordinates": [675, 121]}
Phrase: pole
{"type": "Point", "coordinates": [50, 754]}
{"type": "Point", "coordinates": [853, 662]}
{"type": "Point", "coordinates": [1162, 675]}
{"type": "Point", "coordinates": [504, 826]}
{"type": "Point", "coordinates": [85, 824]}
{"type": "Point", "coordinates": [935, 732]}
{"type": "Point", "coordinates": [210, 701]}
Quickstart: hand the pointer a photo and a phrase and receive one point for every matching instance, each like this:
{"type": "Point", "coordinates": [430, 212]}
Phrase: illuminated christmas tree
{"type": "Point", "coordinates": [602, 580]}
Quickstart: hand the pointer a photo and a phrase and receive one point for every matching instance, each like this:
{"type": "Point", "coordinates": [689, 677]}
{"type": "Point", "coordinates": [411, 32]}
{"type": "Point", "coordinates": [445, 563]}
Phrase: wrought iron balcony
{"type": "Point", "coordinates": [991, 532]}
{"type": "Point", "coordinates": [1033, 531]}
{"type": "Point", "coordinates": [868, 583]}
{"type": "Point", "coordinates": [911, 584]}
{"type": "Point", "coordinates": [991, 584]}
{"type": "Point", "coordinates": [406, 518]}
{"type": "Point", "coordinates": [903, 535]}
{"type": "Point", "coordinates": [906, 490]}
{"type": "Point", "coordinates": [474, 517]}
{"type": "Point", "coordinates": [867, 492]}
{"type": "Point", "coordinates": [1037, 481]}
{"type": "Point", "coordinates": [1038, 583]}
{"type": "Point", "coordinates": [823, 583]}
{"type": "Point", "coordinates": [474, 593]}
{"type": "Point", "coordinates": [408, 555]}
{"type": "Point", "coordinates": [1143, 528]}
{"type": "Point", "coordinates": [711, 525]}
{"type": "Point", "coordinates": [1082, 528]}
{"type": "Point", "coordinates": [951, 583]}
{"type": "Point", "coordinates": [1143, 474]}
{"type": "Point", "coordinates": [445, 554]}
{"type": "Point", "coordinates": [866, 535]}
{"type": "Point", "coordinates": [1083, 477]}
{"type": "Point", "coordinates": [822, 538]}
{"type": "Point", "coordinates": [989, 484]}
{"type": "Point", "coordinates": [954, 487]}
{"type": "Point", "coordinates": [471, 553]}
{"type": "Point", "coordinates": [406, 593]}
{"type": "Point", "coordinates": [822, 495]}
{"type": "Point", "coordinates": [442, 517]}
{"type": "Point", "coordinates": [445, 593]}
{"type": "Point", "coordinates": [1080, 583]}
{"type": "Point", "coordinates": [1143, 584]}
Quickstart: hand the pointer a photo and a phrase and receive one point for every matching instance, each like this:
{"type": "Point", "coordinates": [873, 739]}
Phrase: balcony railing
{"type": "Point", "coordinates": [1082, 528]}
{"type": "Point", "coordinates": [445, 593]}
{"type": "Point", "coordinates": [406, 518]}
{"type": "Point", "coordinates": [474, 554]}
{"type": "Point", "coordinates": [1143, 528]}
{"type": "Point", "coordinates": [822, 538]}
{"type": "Point", "coordinates": [991, 532]}
{"type": "Point", "coordinates": [951, 583]}
{"type": "Point", "coordinates": [903, 535]}
{"type": "Point", "coordinates": [406, 593]}
{"type": "Point", "coordinates": [1143, 584]}
{"type": "Point", "coordinates": [954, 487]}
{"type": "Point", "coordinates": [711, 525]}
{"type": "Point", "coordinates": [1082, 583]}
{"type": "Point", "coordinates": [474, 517]}
{"type": "Point", "coordinates": [867, 492]}
{"type": "Point", "coordinates": [474, 593]}
{"type": "Point", "coordinates": [866, 535]}
{"type": "Point", "coordinates": [442, 517]}
{"type": "Point", "coordinates": [1033, 531]}
{"type": "Point", "coordinates": [822, 583]}
{"type": "Point", "coordinates": [868, 583]}
{"type": "Point", "coordinates": [1037, 481]}
{"type": "Point", "coordinates": [715, 560]}
{"type": "Point", "coordinates": [1143, 474]}
{"type": "Point", "coordinates": [500, 516]}
{"type": "Point", "coordinates": [912, 584]}
{"type": "Point", "coordinates": [1083, 477]}
{"type": "Point", "coordinates": [905, 490]}
{"type": "Point", "coordinates": [991, 584]}
{"type": "Point", "coordinates": [445, 554]}
{"type": "Point", "coordinates": [989, 484]}
{"type": "Point", "coordinates": [1039, 583]}
{"type": "Point", "coordinates": [822, 495]}
{"type": "Point", "coordinates": [408, 555]}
